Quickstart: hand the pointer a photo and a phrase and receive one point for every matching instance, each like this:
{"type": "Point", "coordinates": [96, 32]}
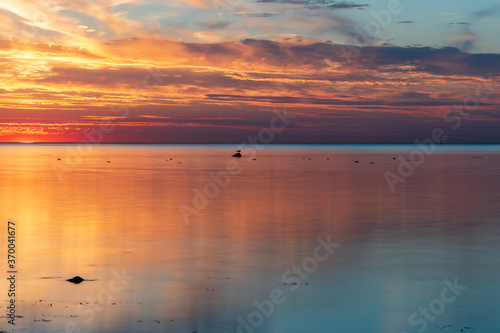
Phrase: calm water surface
{"type": "Point", "coordinates": [204, 267]}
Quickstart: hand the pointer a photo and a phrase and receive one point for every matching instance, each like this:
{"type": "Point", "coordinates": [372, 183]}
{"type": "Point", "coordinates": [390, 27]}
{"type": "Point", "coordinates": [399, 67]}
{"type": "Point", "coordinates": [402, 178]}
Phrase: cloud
{"type": "Point", "coordinates": [411, 99]}
{"type": "Point", "coordinates": [70, 21]}
{"type": "Point", "coordinates": [163, 82]}
{"type": "Point", "coordinates": [215, 25]}
{"type": "Point", "coordinates": [467, 37]}
{"type": "Point", "coordinates": [209, 36]}
{"type": "Point", "coordinates": [255, 14]}
{"type": "Point", "coordinates": [338, 5]}
{"type": "Point", "coordinates": [486, 12]}
{"type": "Point", "coordinates": [315, 4]}
{"type": "Point", "coordinates": [462, 37]}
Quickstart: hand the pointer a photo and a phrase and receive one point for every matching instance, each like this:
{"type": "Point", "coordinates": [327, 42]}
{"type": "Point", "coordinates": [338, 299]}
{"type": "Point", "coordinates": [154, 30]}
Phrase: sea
{"type": "Point", "coordinates": [285, 239]}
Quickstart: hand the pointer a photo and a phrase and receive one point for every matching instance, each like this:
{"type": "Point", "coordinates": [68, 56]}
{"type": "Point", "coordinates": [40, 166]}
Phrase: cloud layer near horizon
{"type": "Point", "coordinates": [197, 71]}
{"type": "Point", "coordinates": [225, 88]}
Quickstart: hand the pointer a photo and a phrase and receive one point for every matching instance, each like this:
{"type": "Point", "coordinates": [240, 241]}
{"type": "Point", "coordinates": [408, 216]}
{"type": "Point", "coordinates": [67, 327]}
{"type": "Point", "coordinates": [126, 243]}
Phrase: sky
{"type": "Point", "coordinates": [218, 71]}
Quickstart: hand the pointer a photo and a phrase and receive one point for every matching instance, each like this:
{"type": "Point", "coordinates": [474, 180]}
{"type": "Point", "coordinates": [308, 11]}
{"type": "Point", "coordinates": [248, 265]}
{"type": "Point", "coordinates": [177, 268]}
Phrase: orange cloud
{"type": "Point", "coordinates": [158, 81]}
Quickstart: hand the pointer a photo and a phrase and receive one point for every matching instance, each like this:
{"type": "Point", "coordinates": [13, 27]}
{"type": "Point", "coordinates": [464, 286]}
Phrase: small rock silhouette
{"type": "Point", "coordinates": [237, 155]}
{"type": "Point", "coordinates": [77, 279]}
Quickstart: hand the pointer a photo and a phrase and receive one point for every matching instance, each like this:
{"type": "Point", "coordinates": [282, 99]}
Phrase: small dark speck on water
{"type": "Point", "coordinates": [77, 279]}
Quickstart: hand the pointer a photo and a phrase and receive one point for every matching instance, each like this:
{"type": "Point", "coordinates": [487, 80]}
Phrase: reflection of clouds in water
{"type": "Point", "coordinates": [396, 250]}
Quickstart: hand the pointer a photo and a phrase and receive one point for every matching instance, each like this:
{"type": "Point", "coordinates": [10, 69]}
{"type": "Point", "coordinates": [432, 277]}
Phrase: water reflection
{"type": "Point", "coordinates": [123, 217]}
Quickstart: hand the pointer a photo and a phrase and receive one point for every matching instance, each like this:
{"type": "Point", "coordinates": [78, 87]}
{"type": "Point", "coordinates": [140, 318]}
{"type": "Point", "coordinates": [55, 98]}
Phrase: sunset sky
{"type": "Point", "coordinates": [376, 71]}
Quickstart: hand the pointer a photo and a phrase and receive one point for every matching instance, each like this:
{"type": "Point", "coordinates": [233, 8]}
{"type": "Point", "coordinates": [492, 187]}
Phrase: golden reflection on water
{"type": "Point", "coordinates": [97, 218]}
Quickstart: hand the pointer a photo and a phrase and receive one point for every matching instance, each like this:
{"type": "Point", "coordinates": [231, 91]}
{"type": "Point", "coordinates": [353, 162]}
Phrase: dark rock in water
{"type": "Point", "coordinates": [372, 162]}
{"type": "Point", "coordinates": [393, 158]}
{"type": "Point", "coordinates": [237, 155]}
{"type": "Point", "coordinates": [356, 161]}
{"type": "Point", "coordinates": [77, 279]}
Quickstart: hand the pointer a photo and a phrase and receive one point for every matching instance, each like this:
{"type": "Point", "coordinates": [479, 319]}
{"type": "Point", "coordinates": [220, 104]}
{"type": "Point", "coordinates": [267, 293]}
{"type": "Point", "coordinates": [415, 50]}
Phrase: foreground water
{"type": "Point", "coordinates": [186, 238]}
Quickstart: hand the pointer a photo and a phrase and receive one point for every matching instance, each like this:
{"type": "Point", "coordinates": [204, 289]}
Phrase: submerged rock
{"type": "Point", "coordinates": [77, 279]}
